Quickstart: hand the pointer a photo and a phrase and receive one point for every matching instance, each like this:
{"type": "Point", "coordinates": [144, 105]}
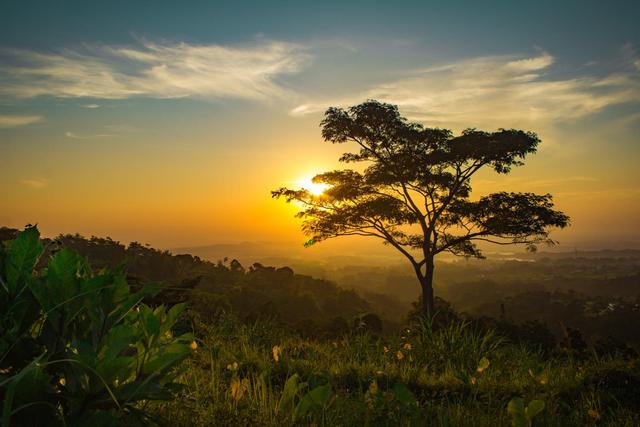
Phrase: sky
{"type": "Point", "coordinates": [169, 123]}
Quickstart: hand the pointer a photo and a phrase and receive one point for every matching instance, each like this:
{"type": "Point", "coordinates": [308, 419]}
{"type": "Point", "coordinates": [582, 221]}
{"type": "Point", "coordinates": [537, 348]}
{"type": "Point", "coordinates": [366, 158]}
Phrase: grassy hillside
{"type": "Point", "coordinates": [453, 376]}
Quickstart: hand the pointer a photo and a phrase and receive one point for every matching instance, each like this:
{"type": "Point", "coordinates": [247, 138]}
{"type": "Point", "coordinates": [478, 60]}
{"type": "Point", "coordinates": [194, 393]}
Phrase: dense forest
{"type": "Point", "coordinates": [300, 301]}
{"type": "Point", "coordinates": [266, 346]}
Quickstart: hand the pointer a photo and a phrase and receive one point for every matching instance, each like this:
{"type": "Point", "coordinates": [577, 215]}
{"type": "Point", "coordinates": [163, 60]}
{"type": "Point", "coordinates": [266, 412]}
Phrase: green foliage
{"type": "Point", "coordinates": [523, 416]}
{"type": "Point", "coordinates": [292, 388]}
{"type": "Point", "coordinates": [372, 386]}
{"type": "Point", "coordinates": [77, 346]}
{"type": "Point", "coordinates": [404, 396]}
{"type": "Point", "coordinates": [313, 402]}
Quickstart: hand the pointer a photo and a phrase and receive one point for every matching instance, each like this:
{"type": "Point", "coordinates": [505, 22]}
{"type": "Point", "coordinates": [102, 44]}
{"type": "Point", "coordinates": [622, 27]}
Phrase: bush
{"type": "Point", "coordinates": [78, 347]}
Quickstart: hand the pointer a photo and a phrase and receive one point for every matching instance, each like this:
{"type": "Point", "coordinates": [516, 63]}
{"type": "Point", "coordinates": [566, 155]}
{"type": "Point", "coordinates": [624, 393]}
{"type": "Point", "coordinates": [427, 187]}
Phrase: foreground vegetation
{"type": "Point", "coordinates": [83, 347]}
{"type": "Point", "coordinates": [451, 376]}
{"type": "Point", "coordinates": [78, 347]}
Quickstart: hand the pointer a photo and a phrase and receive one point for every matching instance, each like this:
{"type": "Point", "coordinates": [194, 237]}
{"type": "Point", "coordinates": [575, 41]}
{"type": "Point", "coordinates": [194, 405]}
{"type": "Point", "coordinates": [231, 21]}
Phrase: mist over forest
{"type": "Point", "coordinates": [595, 292]}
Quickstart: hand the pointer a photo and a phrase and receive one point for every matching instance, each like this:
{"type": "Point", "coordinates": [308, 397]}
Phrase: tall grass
{"type": "Point", "coordinates": [452, 376]}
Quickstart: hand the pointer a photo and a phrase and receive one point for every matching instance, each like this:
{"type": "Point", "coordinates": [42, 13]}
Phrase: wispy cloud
{"type": "Point", "coordinates": [73, 135]}
{"type": "Point", "coordinates": [494, 91]}
{"type": "Point", "coordinates": [12, 121]}
{"type": "Point", "coordinates": [91, 106]}
{"type": "Point", "coordinates": [35, 183]}
{"type": "Point", "coordinates": [158, 70]}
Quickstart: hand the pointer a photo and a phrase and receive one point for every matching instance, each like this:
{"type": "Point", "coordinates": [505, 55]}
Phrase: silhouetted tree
{"type": "Point", "coordinates": [235, 266]}
{"type": "Point", "coordinates": [414, 192]}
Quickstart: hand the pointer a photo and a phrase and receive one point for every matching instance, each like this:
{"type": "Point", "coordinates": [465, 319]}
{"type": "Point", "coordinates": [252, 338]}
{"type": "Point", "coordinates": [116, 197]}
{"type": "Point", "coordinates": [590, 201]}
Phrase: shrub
{"type": "Point", "coordinates": [78, 347]}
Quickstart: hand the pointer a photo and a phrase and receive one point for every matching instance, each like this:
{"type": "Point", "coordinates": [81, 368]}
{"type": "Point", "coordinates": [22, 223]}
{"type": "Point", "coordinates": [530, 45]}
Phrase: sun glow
{"type": "Point", "coordinates": [315, 188]}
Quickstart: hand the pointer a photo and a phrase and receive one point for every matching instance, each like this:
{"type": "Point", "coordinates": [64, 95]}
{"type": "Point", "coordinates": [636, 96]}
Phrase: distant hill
{"type": "Point", "coordinates": [251, 291]}
{"type": "Point", "coordinates": [322, 293]}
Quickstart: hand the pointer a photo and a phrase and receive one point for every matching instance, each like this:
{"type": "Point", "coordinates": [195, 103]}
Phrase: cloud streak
{"type": "Point", "coordinates": [35, 183]}
{"type": "Point", "coordinates": [494, 91]}
{"type": "Point", "coordinates": [12, 121]}
{"type": "Point", "coordinates": [73, 135]}
{"type": "Point", "coordinates": [156, 70]}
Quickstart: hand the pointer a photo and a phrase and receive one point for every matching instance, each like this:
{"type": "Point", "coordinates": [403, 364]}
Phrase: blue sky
{"type": "Point", "coordinates": [575, 29]}
{"type": "Point", "coordinates": [99, 91]}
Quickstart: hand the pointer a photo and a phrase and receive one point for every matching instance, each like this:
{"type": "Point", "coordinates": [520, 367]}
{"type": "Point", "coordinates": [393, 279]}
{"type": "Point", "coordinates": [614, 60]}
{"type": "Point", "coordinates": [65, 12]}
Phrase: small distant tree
{"type": "Point", "coordinates": [414, 192]}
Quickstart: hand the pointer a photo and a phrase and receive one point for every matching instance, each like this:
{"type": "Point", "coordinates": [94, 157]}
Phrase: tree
{"type": "Point", "coordinates": [414, 192]}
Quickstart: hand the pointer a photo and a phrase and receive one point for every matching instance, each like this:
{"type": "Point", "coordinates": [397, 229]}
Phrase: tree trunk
{"type": "Point", "coordinates": [426, 282]}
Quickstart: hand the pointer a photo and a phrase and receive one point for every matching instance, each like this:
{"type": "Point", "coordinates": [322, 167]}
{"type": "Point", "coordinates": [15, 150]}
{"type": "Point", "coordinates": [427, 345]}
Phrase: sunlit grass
{"type": "Point", "coordinates": [459, 377]}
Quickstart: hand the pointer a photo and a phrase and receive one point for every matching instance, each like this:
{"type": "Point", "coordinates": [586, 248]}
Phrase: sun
{"type": "Point", "coordinates": [312, 187]}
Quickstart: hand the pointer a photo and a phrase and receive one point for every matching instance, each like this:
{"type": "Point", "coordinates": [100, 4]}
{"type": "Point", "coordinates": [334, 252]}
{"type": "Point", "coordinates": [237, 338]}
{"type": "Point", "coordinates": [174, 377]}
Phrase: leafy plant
{"type": "Point", "coordinates": [292, 387]}
{"type": "Point", "coordinates": [78, 347]}
{"type": "Point", "coordinates": [406, 399]}
{"type": "Point", "coordinates": [522, 416]}
{"type": "Point", "coordinates": [313, 402]}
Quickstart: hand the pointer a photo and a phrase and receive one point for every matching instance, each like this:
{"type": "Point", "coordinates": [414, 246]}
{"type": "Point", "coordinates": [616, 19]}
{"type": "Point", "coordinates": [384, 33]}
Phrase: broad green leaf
{"type": "Point", "coordinates": [121, 289]}
{"type": "Point", "coordinates": [62, 279]}
{"type": "Point", "coordinates": [96, 299]}
{"type": "Point", "coordinates": [116, 340]}
{"type": "Point", "coordinates": [85, 353]}
{"type": "Point", "coordinates": [149, 388]}
{"type": "Point", "coordinates": [20, 315]}
{"type": "Point", "coordinates": [159, 312]}
{"type": "Point", "coordinates": [519, 420]}
{"type": "Point", "coordinates": [534, 408]}
{"type": "Point", "coordinates": [517, 411]}
{"type": "Point", "coordinates": [313, 401]}
{"type": "Point", "coordinates": [150, 321]}
{"type": "Point", "coordinates": [168, 357]}
{"type": "Point", "coordinates": [7, 404]}
{"type": "Point", "coordinates": [516, 406]}
{"type": "Point", "coordinates": [64, 265]}
{"type": "Point", "coordinates": [291, 389]}
{"type": "Point", "coordinates": [29, 385]}
{"type": "Point", "coordinates": [404, 395]}
{"type": "Point", "coordinates": [23, 255]}
{"type": "Point", "coordinates": [123, 309]}
{"type": "Point", "coordinates": [172, 316]}
{"type": "Point", "coordinates": [118, 368]}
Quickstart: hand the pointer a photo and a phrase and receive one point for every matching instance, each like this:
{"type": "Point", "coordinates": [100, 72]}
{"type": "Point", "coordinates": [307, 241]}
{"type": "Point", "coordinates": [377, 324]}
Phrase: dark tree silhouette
{"type": "Point", "coordinates": [415, 190]}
